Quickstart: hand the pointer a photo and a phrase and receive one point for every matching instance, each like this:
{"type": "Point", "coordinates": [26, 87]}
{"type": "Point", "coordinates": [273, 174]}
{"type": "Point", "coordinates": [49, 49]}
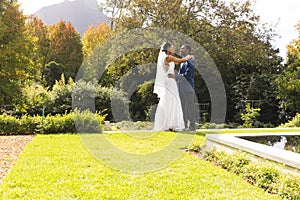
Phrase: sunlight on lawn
{"type": "Point", "coordinates": [59, 167]}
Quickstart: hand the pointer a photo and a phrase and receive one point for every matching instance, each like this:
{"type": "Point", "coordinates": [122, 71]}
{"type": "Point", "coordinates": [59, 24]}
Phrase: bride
{"type": "Point", "coordinates": [169, 115]}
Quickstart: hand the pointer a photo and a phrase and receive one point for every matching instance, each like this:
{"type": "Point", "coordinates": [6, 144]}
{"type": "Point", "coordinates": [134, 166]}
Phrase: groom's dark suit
{"type": "Point", "coordinates": [187, 93]}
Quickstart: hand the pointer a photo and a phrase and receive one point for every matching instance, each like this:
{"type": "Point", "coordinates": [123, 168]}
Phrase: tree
{"type": "Point", "coordinates": [288, 81]}
{"type": "Point", "coordinates": [65, 48]}
{"type": "Point", "coordinates": [15, 53]}
{"type": "Point", "coordinates": [38, 32]}
{"type": "Point", "coordinates": [93, 36]}
{"type": "Point", "coordinates": [260, 89]}
{"type": "Point", "coordinates": [231, 34]}
{"type": "Point", "coordinates": [52, 72]}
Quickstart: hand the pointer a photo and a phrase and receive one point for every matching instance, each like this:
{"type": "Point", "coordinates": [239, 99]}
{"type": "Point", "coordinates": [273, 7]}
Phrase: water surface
{"type": "Point", "coordinates": [286, 142]}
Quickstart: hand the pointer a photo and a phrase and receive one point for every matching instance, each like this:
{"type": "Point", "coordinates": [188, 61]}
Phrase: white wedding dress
{"type": "Point", "coordinates": [169, 113]}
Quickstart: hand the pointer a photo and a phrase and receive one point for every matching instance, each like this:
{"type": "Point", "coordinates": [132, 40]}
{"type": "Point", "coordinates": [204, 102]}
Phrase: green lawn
{"type": "Point", "coordinates": [59, 167]}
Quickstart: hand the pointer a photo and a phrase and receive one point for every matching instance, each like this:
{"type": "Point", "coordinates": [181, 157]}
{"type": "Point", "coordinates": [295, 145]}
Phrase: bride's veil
{"type": "Point", "coordinates": [159, 84]}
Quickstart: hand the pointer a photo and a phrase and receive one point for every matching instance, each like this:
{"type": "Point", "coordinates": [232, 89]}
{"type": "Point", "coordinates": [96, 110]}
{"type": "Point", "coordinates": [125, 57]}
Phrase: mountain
{"type": "Point", "coordinates": [81, 13]}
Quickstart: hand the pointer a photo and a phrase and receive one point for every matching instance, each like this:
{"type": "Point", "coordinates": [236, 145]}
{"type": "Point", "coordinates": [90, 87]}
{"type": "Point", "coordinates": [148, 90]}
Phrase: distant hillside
{"type": "Point", "coordinates": [81, 13]}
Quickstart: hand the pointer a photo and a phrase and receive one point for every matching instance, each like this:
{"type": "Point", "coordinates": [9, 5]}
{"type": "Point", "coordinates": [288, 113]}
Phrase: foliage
{"type": "Point", "coordinates": [57, 124]}
{"type": "Point", "coordinates": [38, 32]}
{"type": "Point", "coordinates": [112, 102]}
{"type": "Point", "coordinates": [264, 175]}
{"type": "Point", "coordinates": [51, 124]}
{"type": "Point", "coordinates": [289, 91]}
{"type": "Point", "coordinates": [25, 125]}
{"type": "Point", "coordinates": [230, 33]}
{"type": "Point", "coordinates": [142, 101]}
{"type": "Point", "coordinates": [295, 122]}
{"type": "Point", "coordinates": [56, 49]}
{"type": "Point", "coordinates": [36, 96]}
{"type": "Point", "coordinates": [52, 72]}
{"type": "Point", "coordinates": [133, 63]}
{"type": "Point", "coordinates": [234, 162]}
{"type": "Point", "coordinates": [15, 53]}
{"type": "Point", "coordinates": [130, 125]}
{"type": "Point", "coordinates": [65, 48]}
{"type": "Point", "coordinates": [60, 167]}
{"type": "Point", "coordinates": [249, 116]}
{"type": "Point", "coordinates": [93, 36]}
{"type": "Point", "coordinates": [289, 187]}
{"type": "Point", "coordinates": [261, 91]}
{"type": "Point", "coordinates": [59, 100]}
{"type": "Point", "coordinates": [55, 101]}
{"type": "Point", "coordinates": [288, 82]}
{"type": "Point", "coordinates": [61, 96]}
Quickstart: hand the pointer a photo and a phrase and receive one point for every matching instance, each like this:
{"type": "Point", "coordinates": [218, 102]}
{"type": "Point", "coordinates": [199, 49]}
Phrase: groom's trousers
{"type": "Point", "coordinates": [188, 102]}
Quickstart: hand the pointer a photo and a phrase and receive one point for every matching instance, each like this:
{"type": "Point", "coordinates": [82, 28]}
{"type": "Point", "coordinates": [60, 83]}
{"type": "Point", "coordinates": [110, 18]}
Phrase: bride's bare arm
{"type": "Point", "coordinates": [178, 60]}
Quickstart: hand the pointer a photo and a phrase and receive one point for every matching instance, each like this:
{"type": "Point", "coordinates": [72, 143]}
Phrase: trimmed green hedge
{"type": "Point", "coordinates": [10, 125]}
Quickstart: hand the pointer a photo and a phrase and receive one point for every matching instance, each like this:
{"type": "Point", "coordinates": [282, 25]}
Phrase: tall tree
{"type": "Point", "coordinates": [65, 48]}
{"type": "Point", "coordinates": [15, 52]}
{"type": "Point", "coordinates": [94, 35]}
{"type": "Point", "coordinates": [230, 33]}
{"type": "Point", "coordinates": [38, 31]}
{"type": "Point", "coordinates": [288, 82]}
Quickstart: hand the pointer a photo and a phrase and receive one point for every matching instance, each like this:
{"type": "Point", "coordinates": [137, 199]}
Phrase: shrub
{"type": "Point", "coordinates": [87, 122]}
{"type": "Point", "coordinates": [114, 102]}
{"type": "Point", "coordinates": [233, 162]}
{"type": "Point", "coordinates": [61, 96]}
{"type": "Point", "coordinates": [264, 175]}
{"type": "Point", "coordinates": [28, 124]}
{"type": "Point", "coordinates": [8, 124]}
{"type": "Point", "coordinates": [36, 96]}
{"type": "Point", "coordinates": [51, 124]}
{"type": "Point", "coordinates": [289, 187]}
{"type": "Point", "coordinates": [58, 124]}
{"type": "Point", "coordinates": [103, 98]}
{"type": "Point", "coordinates": [249, 116]}
{"type": "Point", "coordinates": [295, 122]}
{"type": "Point", "coordinates": [130, 125]}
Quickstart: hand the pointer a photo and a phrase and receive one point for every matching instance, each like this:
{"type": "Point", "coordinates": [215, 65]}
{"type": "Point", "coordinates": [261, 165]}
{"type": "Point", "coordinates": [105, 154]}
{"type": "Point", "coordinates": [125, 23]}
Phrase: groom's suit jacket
{"type": "Point", "coordinates": [186, 76]}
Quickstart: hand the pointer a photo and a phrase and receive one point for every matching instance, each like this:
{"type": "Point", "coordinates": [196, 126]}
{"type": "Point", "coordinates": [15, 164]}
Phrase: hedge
{"type": "Point", "coordinates": [51, 124]}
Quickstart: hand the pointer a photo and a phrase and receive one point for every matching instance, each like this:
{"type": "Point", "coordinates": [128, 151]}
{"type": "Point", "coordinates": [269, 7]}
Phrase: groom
{"type": "Point", "coordinates": [186, 82]}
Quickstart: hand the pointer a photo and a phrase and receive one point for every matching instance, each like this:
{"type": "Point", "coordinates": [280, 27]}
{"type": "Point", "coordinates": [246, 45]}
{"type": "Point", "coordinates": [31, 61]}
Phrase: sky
{"type": "Point", "coordinates": [283, 13]}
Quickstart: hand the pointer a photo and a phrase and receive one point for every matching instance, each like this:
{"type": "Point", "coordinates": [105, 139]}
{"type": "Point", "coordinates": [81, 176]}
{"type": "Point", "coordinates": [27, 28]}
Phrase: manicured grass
{"type": "Point", "coordinates": [59, 167]}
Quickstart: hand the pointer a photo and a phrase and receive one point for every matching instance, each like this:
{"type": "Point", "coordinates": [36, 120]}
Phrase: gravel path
{"type": "Point", "coordinates": [10, 149]}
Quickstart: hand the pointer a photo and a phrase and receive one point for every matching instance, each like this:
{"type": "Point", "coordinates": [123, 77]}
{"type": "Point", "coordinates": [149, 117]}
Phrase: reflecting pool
{"type": "Point", "coordinates": [286, 142]}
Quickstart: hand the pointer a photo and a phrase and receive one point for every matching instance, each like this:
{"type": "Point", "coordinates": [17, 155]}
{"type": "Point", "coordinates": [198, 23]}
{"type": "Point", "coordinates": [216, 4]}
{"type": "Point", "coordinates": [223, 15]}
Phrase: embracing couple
{"type": "Point", "coordinates": [176, 105]}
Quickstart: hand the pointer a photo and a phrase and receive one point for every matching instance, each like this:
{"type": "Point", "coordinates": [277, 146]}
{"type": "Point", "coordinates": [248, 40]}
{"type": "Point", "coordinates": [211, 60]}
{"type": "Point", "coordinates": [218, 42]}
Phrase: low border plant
{"type": "Point", "coordinates": [265, 175]}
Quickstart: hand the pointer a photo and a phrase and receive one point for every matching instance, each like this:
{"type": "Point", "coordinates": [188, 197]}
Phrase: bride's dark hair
{"type": "Point", "coordinates": [165, 46]}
